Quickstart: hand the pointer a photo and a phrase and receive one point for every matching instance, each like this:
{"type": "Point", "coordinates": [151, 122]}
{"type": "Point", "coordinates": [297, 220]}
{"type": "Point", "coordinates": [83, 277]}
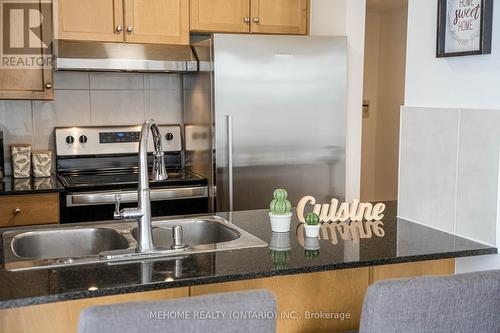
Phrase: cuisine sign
{"type": "Point", "coordinates": [351, 221]}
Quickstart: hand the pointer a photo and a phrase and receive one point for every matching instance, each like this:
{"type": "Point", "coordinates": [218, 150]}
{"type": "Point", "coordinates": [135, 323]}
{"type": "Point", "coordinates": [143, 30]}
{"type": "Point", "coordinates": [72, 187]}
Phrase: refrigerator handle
{"type": "Point", "coordinates": [229, 127]}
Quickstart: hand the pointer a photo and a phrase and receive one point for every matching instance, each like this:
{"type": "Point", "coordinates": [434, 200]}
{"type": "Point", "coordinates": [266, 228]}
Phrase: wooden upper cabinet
{"type": "Point", "coordinates": [157, 21]}
{"type": "Point", "coordinates": [25, 77]}
{"type": "Point", "coordinates": [220, 15]}
{"type": "Point", "coordinates": [99, 20]}
{"type": "Point", "coordinates": [280, 16]}
{"type": "Point", "coordinates": [26, 84]}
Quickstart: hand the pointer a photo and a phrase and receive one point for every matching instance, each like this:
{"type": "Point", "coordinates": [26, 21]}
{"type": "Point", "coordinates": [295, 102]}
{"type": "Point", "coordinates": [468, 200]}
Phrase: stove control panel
{"type": "Point", "coordinates": [119, 137]}
{"type": "Point", "coordinates": [75, 141]}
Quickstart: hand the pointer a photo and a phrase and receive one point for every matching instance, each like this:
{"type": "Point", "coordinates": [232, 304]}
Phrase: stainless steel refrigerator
{"type": "Point", "coordinates": [267, 112]}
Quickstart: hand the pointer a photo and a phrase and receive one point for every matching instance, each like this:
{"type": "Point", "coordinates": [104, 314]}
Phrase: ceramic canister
{"type": "Point", "coordinates": [21, 160]}
{"type": "Point", "coordinates": [42, 163]}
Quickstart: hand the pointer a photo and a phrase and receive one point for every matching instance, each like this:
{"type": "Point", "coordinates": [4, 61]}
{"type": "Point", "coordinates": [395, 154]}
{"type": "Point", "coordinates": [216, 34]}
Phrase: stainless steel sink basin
{"type": "Point", "coordinates": [47, 246]}
{"type": "Point", "coordinates": [67, 243]}
{"type": "Point", "coordinates": [196, 232]}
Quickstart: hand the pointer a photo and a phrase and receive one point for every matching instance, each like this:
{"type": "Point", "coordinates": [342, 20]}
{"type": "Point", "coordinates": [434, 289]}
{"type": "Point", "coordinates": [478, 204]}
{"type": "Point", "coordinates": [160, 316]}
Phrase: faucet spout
{"type": "Point", "coordinates": [143, 211]}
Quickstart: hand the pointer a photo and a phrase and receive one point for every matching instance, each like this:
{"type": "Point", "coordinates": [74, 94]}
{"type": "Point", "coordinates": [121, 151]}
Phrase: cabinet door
{"type": "Point", "coordinates": [29, 209]}
{"type": "Point", "coordinates": [220, 15]}
{"type": "Point", "coordinates": [98, 20]}
{"type": "Point", "coordinates": [33, 83]}
{"type": "Point", "coordinates": [21, 73]}
{"type": "Point", "coordinates": [157, 21]}
{"type": "Point", "coordinates": [280, 16]}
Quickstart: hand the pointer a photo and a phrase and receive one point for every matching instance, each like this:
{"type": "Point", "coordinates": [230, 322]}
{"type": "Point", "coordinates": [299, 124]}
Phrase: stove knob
{"type": "Point", "coordinates": [70, 139]}
{"type": "Point", "coordinates": [83, 139]}
{"type": "Point", "coordinates": [169, 136]}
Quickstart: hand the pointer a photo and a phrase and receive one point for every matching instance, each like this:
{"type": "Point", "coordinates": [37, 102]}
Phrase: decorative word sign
{"type": "Point", "coordinates": [333, 212]}
{"type": "Point", "coordinates": [353, 231]}
{"type": "Point", "coordinates": [464, 27]}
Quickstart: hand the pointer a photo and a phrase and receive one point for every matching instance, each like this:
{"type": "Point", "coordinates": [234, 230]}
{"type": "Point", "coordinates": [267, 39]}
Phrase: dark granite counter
{"type": "Point", "coordinates": [291, 253]}
{"type": "Point", "coordinates": [10, 185]}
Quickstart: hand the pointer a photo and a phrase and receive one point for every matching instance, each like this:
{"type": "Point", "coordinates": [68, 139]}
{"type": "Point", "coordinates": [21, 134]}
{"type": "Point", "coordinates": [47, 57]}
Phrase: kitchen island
{"type": "Point", "coordinates": [319, 284]}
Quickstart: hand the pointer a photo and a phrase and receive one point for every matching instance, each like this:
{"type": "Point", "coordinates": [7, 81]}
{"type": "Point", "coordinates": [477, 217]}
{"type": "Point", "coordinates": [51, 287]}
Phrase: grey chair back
{"type": "Point", "coordinates": [458, 303]}
{"type": "Point", "coordinates": [252, 311]}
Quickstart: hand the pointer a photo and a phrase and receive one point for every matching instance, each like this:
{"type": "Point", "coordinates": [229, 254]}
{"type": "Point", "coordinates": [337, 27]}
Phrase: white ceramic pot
{"type": "Point", "coordinates": [280, 241]}
{"type": "Point", "coordinates": [312, 230]}
{"type": "Point", "coordinates": [280, 223]}
{"type": "Point", "coordinates": [311, 243]}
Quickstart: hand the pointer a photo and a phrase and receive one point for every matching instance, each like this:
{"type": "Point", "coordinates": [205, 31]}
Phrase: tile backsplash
{"type": "Point", "coordinates": [84, 99]}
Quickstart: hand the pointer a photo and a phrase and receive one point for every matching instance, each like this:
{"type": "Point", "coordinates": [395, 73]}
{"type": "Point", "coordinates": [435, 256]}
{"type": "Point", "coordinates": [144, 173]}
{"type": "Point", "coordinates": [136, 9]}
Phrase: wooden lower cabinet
{"type": "Point", "coordinates": [301, 299]}
{"type": "Point", "coordinates": [62, 317]}
{"type": "Point", "coordinates": [339, 291]}
{"type": "Point", "coordinates": [396, 271]}
{"type": "Point", "coordinates": [29, 209]}
{"type": "Point", "coordinates": [331, 292]}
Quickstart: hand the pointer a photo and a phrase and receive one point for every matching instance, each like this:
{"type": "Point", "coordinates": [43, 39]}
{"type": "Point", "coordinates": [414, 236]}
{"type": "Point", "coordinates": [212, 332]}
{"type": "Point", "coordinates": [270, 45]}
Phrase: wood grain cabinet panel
{"type": "Point", "coordinates": [340, 291]}
{"type": "Point", "coordinates": [157, 21]}
{"type": "Point", "coordinates": [21, 83]}
{"type": "Point", "coordinates": [412, 269]}
{"type": "Point", "coordinates": [280, 16]}
{"type": "Point", "coordinates": [31, 81]}
{"type": "Point", "coordinates": [220, 15]}
{"type": "Point", "coordinates": [94, 20]}
{"type": "Point", "coordinates": [301, 299]}
{"type": "Point", "coordinates": [29, 209]}
{"type": "Point", "coordinates": [62, 317]}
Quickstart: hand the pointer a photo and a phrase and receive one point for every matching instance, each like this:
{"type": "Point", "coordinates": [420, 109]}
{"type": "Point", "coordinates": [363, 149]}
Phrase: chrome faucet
{"type": "Point", "coordinates": [142, 213]}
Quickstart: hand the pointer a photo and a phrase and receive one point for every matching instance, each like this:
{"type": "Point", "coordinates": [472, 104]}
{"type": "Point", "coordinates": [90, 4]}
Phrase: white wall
{"type": "Point", "coordinates": [328, 17]}
{"type": "Point", "coordinates": [450, 141]}
{"type": "Point", "coordinates": [347, 17]}
{"type": "Point", "coordinates": [462, 82]}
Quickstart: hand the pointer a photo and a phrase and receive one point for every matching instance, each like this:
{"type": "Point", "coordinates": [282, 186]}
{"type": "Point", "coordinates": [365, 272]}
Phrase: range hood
{"type": "Point", "coordinates": [102, 56]}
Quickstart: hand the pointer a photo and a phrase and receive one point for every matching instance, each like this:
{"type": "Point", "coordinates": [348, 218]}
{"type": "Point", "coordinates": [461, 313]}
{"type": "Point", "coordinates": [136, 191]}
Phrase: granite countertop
{"type": "Point", "coordinates": [291, 253]}
{"type": "Point", "coordinates": [10, 185]}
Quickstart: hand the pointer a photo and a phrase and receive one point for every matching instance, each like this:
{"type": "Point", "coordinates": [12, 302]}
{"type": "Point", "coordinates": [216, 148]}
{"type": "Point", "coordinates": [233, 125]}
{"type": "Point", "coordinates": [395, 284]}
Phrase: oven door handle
{"type": "Point", "coordinates": [104, 198]}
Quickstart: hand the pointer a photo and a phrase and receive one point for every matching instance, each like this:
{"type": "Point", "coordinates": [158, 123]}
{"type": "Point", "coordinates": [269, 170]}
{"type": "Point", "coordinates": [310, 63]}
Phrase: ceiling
{"type": "Point", "coordinates": [385, 5]}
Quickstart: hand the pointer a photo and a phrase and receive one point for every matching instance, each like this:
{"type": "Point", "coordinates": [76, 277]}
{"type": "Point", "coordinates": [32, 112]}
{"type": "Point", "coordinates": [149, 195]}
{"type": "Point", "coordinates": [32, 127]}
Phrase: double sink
{"type": "Point", "coordinates": [116, 242]}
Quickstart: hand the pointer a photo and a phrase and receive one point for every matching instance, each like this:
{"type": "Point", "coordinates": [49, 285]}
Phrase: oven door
{"type": "Point", "coordinates": [99, 205]}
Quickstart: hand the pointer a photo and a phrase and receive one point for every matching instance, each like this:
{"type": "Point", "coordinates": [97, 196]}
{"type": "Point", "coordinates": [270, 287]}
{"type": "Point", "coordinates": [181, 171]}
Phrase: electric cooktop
{"type": "Point", "coordinates": [126, 179]}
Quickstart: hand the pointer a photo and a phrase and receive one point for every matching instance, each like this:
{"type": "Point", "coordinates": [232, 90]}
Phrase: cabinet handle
{"type": "Point", "coordinates": [256, 19]}
{"type": "Point", "coordinates": [130, 29]}
{"type": "Point", "coordinates": [48, 85]}
{"type": "Point", "coordinates": [247, 19]}
{"type": "Point", "coordinates": [118, 29]}
{"type": "Point", "coordinates": [17, 211]}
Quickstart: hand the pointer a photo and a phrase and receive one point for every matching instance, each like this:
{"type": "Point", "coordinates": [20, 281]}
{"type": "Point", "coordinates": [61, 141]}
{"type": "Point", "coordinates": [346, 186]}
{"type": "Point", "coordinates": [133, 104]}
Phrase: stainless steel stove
{"type": "Point", "coordinates": [97, 164]}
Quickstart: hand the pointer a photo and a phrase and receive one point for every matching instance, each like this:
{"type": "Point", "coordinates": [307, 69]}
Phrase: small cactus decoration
{"type": "Point", "coordinates": [310, 254]}
{"type": "Point", "coordinates": [280, 258]}
{"type": "Point", "coordinates": [280, 204]}
{"type": "Point", "coordinates": [312, 219]}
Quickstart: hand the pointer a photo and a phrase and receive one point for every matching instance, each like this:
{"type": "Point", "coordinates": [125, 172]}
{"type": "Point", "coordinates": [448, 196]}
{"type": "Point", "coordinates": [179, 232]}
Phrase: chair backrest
{"type": "Point", "coordinates": [252, 311]}
{"type": "Point", "coordinates": [458, 303]}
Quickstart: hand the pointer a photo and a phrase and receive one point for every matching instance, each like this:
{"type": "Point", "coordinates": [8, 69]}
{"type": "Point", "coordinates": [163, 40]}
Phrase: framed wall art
{"type": "Point", "coordinates": [464, 27]}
